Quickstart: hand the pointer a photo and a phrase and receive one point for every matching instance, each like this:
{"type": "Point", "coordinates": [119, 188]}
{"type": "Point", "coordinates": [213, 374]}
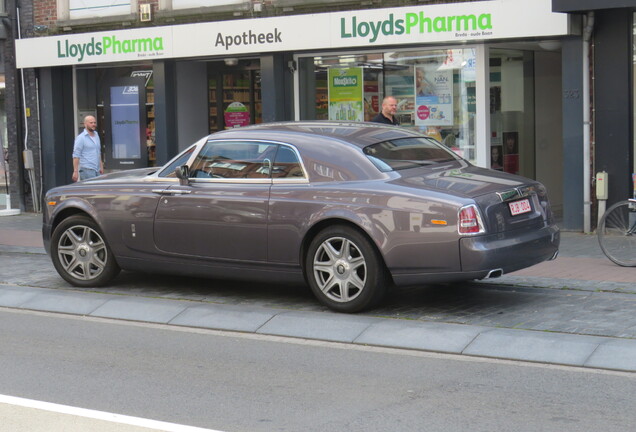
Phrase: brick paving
{"type": "Point", "coordinates": [592, 269]}
{"type": "Point", "coordinates": [581, 292]}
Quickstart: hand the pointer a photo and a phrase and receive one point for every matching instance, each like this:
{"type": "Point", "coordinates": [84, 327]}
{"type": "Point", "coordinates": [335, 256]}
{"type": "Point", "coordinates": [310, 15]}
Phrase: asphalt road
{"type": "Point", "coordinates": [235, 382]}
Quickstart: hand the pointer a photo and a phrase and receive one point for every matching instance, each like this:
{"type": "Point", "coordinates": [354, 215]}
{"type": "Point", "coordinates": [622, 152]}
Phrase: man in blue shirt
{"type": "Point", "coordinates": [87, 152]}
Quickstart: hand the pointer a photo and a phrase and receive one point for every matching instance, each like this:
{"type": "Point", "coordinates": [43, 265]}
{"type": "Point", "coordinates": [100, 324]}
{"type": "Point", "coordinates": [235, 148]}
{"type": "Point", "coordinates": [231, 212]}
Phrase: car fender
{"type": "Point", "coordinates": [56, 213]}
{"type": "Point", "coordinates": [360, 217]}
{"type": "Point", "coordinates": [75, 204]}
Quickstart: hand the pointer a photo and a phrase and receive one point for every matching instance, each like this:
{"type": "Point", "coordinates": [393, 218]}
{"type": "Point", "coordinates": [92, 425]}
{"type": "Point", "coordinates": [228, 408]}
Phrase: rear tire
{"type": "Point", "coordinates": [344, 270]}
{"type": "Point", "coordinates": [617, 233]}
{"type": "Point", "coordinates": [80, 253]}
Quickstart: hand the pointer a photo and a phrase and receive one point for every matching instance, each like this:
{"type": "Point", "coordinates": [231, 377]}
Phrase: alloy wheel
{"type": "Point", "coordinates": [82, 252]}
{"type": "Point", "coordinates": [340, 269]}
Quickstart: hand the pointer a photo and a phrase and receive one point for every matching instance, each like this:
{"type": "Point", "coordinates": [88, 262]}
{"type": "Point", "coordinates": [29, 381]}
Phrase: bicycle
{"type": "Point", "coordinates": [617, 233]}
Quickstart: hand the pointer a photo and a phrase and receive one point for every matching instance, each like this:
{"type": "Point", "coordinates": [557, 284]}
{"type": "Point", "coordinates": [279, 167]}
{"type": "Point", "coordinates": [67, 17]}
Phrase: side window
{"type": "Point", "coordinates": [168, 171]}
{"type": "Point", "coordinates": [286, 164]}
{"type": "Point", "coordinates": [233, 159]}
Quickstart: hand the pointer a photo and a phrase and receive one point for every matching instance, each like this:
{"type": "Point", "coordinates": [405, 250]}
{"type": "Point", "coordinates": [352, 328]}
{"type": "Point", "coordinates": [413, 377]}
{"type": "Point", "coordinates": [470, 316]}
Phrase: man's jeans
{"type": "Point", "coordinates": [87, 173]}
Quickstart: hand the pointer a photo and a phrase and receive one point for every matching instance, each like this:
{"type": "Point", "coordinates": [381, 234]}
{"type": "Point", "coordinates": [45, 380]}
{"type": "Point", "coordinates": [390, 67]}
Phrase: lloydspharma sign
{"type": "Point", "coordinates": [426, 24]}
{"type": "Point", "coordinates": [414, 23]}
{"type": "Point", "coordinates": [111, 45]}
{"type": "Point", "coordinates": [103, 47]}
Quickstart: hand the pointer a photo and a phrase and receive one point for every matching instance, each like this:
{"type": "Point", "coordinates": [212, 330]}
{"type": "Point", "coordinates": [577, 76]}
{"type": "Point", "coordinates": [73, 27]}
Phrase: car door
{"type": "Point", "coordinates": [222, 212]}
{"type": "Point", "coordinates": [139, 204]}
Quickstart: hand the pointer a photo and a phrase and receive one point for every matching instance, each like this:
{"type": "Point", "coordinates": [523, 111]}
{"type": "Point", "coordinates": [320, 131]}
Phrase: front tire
{"type": "Point", "coordinates": [80, 254]}
{"type": "Point", "coordinates": [344, 270]}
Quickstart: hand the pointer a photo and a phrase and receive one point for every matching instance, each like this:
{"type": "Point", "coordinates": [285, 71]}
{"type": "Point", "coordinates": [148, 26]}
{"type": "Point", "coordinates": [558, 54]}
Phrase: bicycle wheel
{"type": "Point", "coordinates": [617, 233]}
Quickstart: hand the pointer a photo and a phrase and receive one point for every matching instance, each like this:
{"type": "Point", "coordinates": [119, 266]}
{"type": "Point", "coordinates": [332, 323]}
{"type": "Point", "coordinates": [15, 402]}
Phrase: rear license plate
{"type": "Point", "coordinates": [520, 207]}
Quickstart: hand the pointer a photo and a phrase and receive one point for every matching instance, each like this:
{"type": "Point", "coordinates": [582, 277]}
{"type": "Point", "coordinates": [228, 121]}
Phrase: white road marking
{"type": "Point", "coordinates": [101, 415]}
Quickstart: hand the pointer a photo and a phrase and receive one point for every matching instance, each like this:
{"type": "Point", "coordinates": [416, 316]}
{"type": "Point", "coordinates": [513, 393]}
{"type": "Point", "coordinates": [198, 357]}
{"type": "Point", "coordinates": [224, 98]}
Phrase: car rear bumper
{"type": "Point", "coordinates": [509, 251]}
{"type": "Point", "coordinates": [495, 254]}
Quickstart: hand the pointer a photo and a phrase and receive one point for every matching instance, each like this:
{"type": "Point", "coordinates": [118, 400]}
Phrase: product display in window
{"type": "Point", "coordinates": [434, 89]}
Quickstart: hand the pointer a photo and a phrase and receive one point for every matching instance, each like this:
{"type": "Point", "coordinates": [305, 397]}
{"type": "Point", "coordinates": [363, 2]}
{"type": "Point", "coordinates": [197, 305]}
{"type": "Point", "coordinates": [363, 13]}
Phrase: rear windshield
{"type": "Point", "coordinates": [408, 153]}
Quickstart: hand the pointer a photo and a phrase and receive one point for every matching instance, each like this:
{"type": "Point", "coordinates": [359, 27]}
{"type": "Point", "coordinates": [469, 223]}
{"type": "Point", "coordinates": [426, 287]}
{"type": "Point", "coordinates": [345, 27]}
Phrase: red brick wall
{"type": "Point", "coordinates": [45, 12]}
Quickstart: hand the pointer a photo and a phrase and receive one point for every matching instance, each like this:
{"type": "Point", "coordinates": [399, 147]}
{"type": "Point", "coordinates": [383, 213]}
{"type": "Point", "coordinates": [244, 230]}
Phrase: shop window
{"type": "Point", "coordinates": [87, 9]}
{"type": "Point", "coordinates": [189, 4]}
{"type": "Point", "coordinates": [435, 90]}
{"type": "Point", "coordinates": [512, 122]}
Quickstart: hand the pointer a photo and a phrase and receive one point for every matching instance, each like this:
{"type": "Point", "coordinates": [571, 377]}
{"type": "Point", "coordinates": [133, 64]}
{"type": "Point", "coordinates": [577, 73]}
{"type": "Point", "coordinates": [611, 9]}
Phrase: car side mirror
{"type": "Point", "coordinates": [183, 174]}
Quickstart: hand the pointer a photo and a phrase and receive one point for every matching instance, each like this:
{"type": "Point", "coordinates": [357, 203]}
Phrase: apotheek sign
{"type": "Point", "coordinates": [441, 23]}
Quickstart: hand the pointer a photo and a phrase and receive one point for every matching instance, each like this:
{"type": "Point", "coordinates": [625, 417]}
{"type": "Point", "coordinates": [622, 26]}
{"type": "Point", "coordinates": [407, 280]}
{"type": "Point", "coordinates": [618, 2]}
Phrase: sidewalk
{"type": "Point", "coordinates": [581, 266]}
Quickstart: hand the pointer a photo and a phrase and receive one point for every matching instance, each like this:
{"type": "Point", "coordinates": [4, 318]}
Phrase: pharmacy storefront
{"type": "Point", "coordinates": [481, 77]}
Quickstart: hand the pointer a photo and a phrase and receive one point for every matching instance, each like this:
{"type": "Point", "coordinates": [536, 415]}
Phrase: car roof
{"type": "Point", "coordinates": [360, 134]}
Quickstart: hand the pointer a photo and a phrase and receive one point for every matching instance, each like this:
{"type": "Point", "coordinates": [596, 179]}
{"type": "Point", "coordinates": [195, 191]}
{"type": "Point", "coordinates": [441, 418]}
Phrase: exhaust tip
{"type": "Point", "coordinates": [494, 273]}
{"type": "Point", "coordinates": [554, 256]}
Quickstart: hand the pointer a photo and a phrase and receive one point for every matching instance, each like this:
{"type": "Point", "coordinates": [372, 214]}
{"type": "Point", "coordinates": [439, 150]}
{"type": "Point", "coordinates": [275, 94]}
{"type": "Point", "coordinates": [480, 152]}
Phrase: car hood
{"type": "Point", "coordinates": [127, 175]}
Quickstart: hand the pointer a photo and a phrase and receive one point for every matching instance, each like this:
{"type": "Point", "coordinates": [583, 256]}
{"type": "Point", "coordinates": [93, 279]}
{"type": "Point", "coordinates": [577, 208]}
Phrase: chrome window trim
{"type": "Point", "coordinates": [283, 180]}
{"type": "Point", "coordinates": [195, 180]}
{"type": "Point", "coordinates": [290, 180]}
{"type": "Point", "coordinates": [155, 179]}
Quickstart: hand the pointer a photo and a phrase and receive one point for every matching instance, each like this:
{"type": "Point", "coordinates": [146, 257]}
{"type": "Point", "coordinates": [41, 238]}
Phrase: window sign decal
{"type": "Point", "coordinates": [345, 94]}
{"type": "Point", "coordinates": [236, 115]}
{"type": "Point", "coordinates": [433, 96]}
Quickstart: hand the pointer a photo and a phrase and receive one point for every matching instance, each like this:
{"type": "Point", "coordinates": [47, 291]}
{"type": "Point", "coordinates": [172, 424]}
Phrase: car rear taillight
{"type": "Point", "coordinates": [470, 221]}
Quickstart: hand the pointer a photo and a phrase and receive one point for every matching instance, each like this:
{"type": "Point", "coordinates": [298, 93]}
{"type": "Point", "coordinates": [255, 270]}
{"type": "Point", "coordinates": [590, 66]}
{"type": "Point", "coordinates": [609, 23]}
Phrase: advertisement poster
{"type": "Point", "coordinates": [346, 94]}
{"type": "Point", "coordinates": [236, 115]}
{"type": "Point", "coordinates": [511, 152]}
{"type": "Point", "coordinates": [433, 96]}
{"type": "Point", "coordinates": [496, 157]}
{"type": "Point", "coordinates": [124, 102]}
